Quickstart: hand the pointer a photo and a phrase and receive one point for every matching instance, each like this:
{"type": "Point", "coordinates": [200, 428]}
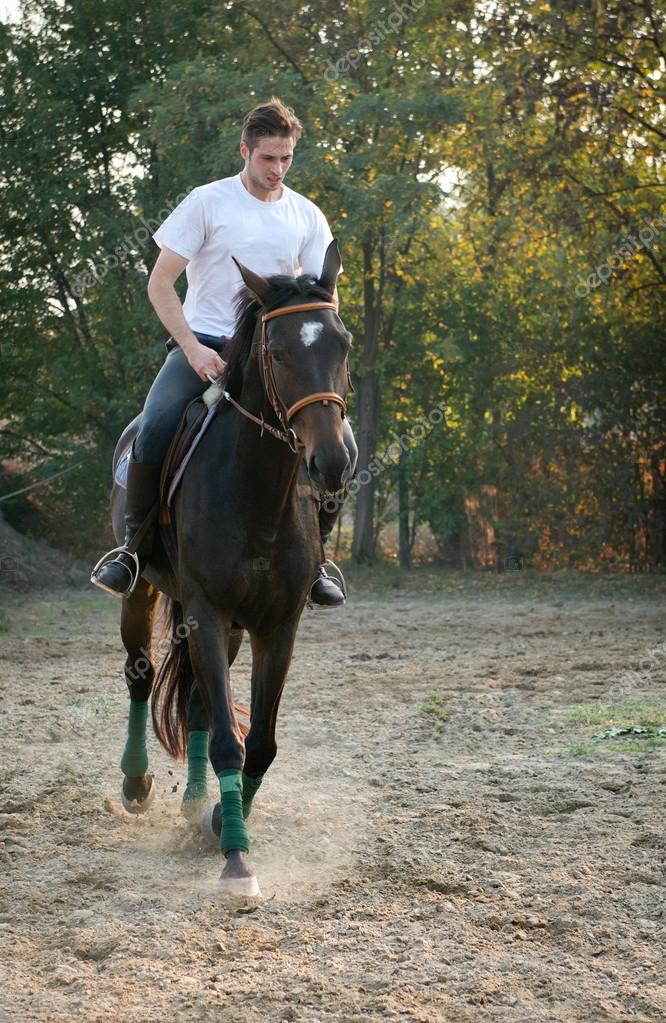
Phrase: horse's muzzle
{"type": "Point", "coordinates": [329, 468]}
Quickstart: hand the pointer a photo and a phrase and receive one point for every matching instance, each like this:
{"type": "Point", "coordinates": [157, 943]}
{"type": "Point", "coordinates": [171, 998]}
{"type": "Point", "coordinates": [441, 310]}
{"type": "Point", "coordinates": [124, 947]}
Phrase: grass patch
{"type": "Point", "coordinates": [633, 726]}
{"type": "Point", "coordinates": [63, 613]}
{"type": "Point", "coordinates": [434, 708]}
{"type": "Point", "coordinates": [626, 714]}
{"type": "Point", "coordinates": [386, 579]}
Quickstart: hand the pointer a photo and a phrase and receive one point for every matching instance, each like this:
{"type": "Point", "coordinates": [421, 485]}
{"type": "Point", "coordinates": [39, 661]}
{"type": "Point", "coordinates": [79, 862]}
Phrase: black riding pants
{"type": "Point", "coordinates": [173, 389]}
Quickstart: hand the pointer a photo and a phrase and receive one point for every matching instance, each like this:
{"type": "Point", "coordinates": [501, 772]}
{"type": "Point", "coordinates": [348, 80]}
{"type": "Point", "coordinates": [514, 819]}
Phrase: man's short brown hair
{"type": "Point", "coordinates": [272, 118]}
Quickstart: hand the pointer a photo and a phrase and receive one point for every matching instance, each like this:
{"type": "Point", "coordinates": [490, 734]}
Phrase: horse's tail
{"type": "Point", "coordinates": [173, 685]}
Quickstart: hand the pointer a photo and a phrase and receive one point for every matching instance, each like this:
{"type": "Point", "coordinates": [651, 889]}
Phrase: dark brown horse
{"type": "Point", "coordinates": [241, 552]}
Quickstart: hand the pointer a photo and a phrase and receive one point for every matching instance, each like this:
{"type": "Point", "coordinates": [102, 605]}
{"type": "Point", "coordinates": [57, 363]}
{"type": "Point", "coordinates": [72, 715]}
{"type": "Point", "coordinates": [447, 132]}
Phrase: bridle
{"type": "Point", "coordinates": [286, 414]}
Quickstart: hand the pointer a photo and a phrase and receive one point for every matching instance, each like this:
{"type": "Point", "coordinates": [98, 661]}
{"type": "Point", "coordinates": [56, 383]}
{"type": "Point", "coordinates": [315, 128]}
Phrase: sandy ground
{"type": "Point", "coordinates": [428, 844]}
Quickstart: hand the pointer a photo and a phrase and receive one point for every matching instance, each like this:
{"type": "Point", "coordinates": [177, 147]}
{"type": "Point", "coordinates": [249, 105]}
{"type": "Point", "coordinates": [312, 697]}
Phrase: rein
{"type": "Point", "coordinates": [286, 414]}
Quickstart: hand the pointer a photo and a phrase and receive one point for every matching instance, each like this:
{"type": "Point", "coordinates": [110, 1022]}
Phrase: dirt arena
{"type": "Point", "coordinates": [440, 838]}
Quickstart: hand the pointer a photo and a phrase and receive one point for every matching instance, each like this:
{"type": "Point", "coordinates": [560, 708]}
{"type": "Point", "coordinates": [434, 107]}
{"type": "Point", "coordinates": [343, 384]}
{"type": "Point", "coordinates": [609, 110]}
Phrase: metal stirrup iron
{"type": "Point", "coordinates": [339, 578]}
{"type": "Point", "coordinates": [130, 549]}
{"type": "Point", "coordinates": [106, 558]}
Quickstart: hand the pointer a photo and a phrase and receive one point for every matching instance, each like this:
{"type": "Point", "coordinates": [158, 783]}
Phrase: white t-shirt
{"type": "Point", "coordinates": [222, 219]}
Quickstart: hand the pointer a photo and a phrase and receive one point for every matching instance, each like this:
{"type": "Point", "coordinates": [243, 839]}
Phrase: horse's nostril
{"type": "Point", "coordinates": [329, 469]}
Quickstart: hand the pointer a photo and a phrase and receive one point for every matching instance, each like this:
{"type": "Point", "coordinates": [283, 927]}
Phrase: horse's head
{"type": "Point", "coordinates": [304, 363]}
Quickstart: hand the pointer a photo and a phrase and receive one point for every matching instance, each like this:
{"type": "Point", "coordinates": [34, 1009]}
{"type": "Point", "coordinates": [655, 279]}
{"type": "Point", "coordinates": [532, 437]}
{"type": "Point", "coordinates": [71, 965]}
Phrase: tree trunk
{"type": "Point", "coordinates": [404, 538]}
{"type": "Point", "coordinates": [363, 544]}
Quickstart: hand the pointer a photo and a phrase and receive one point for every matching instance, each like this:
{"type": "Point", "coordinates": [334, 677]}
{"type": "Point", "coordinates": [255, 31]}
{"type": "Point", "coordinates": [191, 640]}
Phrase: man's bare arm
{"type": "Point", "coordinates": [162, 294]}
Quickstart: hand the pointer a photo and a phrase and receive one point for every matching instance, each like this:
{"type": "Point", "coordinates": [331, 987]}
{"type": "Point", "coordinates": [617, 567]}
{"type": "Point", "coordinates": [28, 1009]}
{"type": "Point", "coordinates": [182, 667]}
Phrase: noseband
{"type": "Point", "coordinates": [286, 414]}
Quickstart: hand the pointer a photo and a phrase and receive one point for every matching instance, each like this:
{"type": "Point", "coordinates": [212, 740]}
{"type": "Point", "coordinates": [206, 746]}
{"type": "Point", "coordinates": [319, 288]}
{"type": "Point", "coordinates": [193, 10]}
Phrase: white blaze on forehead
{"type": "Point", "coordinates": [310, 331]}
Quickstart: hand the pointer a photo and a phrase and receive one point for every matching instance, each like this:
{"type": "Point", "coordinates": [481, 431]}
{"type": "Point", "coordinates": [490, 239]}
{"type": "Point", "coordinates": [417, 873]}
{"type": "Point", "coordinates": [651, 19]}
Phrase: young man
{"type": "Point", "coordinates": [267, 226]}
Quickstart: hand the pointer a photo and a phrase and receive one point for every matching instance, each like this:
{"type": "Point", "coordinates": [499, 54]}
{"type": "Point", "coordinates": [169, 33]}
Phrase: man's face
{"type": "Point", "coordinates": [269, 162]}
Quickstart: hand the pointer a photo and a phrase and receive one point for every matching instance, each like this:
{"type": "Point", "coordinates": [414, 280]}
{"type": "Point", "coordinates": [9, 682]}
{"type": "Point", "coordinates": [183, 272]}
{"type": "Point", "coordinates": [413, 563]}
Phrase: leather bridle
{"type": "Point", "coordinates": [286, 414]}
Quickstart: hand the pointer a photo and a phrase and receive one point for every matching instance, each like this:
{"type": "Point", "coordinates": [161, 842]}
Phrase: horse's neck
{"type": "Point", "coordinates": [266, 468]}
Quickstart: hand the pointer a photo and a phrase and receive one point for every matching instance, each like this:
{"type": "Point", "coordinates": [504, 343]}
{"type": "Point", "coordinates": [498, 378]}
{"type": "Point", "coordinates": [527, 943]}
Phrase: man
{"type": "Point", "coordinates": [267, 226]}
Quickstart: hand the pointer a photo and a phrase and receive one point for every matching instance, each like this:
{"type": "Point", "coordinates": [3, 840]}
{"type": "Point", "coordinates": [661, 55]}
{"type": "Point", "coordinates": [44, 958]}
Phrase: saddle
{"type": "Point", "coordinates": [194, 422]}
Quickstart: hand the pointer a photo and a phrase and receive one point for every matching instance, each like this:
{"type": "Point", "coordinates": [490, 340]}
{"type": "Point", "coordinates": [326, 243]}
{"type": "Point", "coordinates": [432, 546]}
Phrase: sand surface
{"type": "Point", "coordinates": [428, 844]}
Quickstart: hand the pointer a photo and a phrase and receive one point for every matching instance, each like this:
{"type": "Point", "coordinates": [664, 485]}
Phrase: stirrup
{"type": "Point", "coordinates": [340, 579]}
{"type": "Point", "coordinates": [134, 577]}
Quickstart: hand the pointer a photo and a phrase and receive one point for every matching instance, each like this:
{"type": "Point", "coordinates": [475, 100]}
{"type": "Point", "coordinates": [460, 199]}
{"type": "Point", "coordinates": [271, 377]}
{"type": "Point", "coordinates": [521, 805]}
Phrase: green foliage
{"type": "Point", "coordinates": [632, 726]}
{"type": "Point", "coordinates": [435, 708]}
{"type": "Point", "coordinates": [487, 169]}
{"type": "Point", "coordinates": [643, 712]}
{"type": "Point", "coordinates": [588, 749]}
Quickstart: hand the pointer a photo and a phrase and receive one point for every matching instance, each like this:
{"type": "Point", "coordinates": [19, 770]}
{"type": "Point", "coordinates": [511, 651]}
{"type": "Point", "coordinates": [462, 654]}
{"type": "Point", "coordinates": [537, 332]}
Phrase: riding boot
{"type": "Point", "coordinates": [119, 576]}
{"type": "Point", "coordinates": [325, 591]}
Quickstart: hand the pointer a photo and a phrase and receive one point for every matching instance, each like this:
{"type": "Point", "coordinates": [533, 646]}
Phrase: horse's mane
{"type": "Point", "coordinates": [246, 306]}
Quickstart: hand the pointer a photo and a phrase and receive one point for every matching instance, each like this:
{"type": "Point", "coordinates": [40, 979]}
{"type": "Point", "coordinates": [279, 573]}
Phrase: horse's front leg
{"type": "Point", "coordinates": [136, 627]}
{"type": "Point", "coordinates": [195, 797]}
{"type": "Point", "coordinates": [271, 657]}
{"type": "Point", "coordinates": [209, 649]}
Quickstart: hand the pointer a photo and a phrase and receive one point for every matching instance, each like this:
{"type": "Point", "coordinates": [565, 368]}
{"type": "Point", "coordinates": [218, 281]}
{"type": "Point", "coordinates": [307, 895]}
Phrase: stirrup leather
{"type": "Point", "coordinates": [339, 578]}
{"type": "Point", "coordinates": [134, 576]}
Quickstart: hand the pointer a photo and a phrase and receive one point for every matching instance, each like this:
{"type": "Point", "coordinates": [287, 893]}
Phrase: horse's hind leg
{"type": "Point", "coordinates": [195, 797]}
{"type": "Point", "coordinates": [136, 628]}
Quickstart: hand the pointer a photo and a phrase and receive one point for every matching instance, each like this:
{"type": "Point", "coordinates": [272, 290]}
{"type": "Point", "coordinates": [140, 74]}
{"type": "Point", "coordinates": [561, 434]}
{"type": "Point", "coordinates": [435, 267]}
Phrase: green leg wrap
{"type": "Point", "coordinates": [250, 786]}
{"type": "Point", "coordinates": [234, 833]}
{"type": "Point", "coordinates": [134, 761]}
{"type": "Point", "coordinates": [197, 767]}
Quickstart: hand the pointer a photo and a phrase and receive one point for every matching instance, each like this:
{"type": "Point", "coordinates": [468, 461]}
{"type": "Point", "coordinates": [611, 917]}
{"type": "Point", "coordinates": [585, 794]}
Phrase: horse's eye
{"type": "Point", "coordinates": [276, 356]}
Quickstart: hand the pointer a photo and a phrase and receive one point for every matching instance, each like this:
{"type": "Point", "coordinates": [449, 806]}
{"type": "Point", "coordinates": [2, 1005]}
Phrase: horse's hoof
{"type": "Point", "coordinates": [240, 887]}
{"type": "Point", "coordinates": [138, 794]}
{"type": "Point", "coordinates": [238, 877]}
{"type": "Point", "coordinates": [192, 809]}
{"type": "Point", "coordinates": [211, 824]}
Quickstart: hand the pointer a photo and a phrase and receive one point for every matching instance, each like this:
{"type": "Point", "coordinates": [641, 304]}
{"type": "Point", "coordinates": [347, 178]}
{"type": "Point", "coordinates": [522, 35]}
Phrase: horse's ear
{"type": "Point", "coordinates": [259, 287]}
{"type": "Point", "coordinates": [332, 261]}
